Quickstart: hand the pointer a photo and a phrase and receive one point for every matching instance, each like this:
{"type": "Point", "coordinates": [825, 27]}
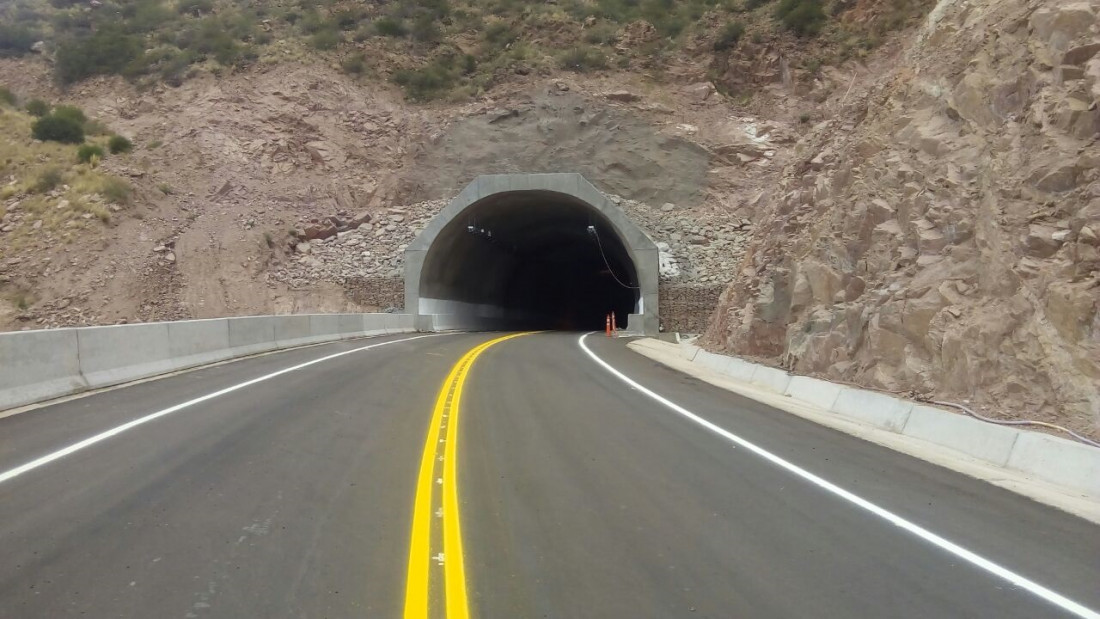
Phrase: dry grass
{"type": "Point", "coordinates": [52, 187]}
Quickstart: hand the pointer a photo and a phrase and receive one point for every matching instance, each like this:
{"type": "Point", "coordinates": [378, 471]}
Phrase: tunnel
{"type": "Point", "coordinates": [531, 251]}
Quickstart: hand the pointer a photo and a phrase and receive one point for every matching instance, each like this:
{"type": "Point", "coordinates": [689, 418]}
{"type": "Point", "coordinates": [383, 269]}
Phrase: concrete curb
{"type": "Point", "coordinates": [1052, 459]}
{"type": "Point", "coordinates": [46, 364]}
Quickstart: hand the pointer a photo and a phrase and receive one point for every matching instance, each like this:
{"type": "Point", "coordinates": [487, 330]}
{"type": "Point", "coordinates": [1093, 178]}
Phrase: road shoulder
{"type": "Point", "coordinates": [1049, 494]}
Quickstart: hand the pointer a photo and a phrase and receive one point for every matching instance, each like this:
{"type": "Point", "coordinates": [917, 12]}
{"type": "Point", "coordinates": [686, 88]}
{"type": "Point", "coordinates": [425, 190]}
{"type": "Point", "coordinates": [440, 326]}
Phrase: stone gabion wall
{"type": "Point", "coordinates": [686, 307]}
{"type": "Point", "coordinates": [381, 292]}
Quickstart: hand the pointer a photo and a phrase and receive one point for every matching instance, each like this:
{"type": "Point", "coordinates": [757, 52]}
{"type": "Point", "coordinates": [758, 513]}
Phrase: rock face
{"type": "Point", "coordinates": [940, 235]}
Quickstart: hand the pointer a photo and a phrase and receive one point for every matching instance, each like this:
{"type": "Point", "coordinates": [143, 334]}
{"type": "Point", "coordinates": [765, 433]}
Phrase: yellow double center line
{"type": "Point", "coordinates": [438, 467]}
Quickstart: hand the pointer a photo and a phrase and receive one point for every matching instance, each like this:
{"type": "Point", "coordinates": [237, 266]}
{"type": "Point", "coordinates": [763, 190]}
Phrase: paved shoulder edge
{"type": "Point", "coordinates": [1049, 469]}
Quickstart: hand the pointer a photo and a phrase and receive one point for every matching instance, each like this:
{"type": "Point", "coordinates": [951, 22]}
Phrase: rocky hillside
{"type": "Point", "coordinates": [941, 234]}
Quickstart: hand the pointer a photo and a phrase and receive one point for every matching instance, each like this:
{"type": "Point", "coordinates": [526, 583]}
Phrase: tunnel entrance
{"type": "Point", "coordinates": [542, 251]}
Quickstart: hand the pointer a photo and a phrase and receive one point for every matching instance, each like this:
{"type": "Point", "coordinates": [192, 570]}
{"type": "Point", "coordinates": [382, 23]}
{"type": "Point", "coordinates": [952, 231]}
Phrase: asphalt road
{"type": "Point", "coordinates": [580, 496]}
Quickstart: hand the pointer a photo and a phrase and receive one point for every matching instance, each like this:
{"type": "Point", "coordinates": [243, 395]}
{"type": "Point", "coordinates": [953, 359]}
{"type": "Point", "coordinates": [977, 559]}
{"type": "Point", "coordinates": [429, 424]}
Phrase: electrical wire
{"type": "Point", "coordinates": [1025, 422]}
{"type": "Point", "coordinates": [596, 233]}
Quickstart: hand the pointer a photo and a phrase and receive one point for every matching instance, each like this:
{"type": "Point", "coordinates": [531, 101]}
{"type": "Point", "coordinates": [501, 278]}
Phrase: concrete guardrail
{"type": "Point", "coordinates": [45, 364]}
{"type": "Point", "coordinates": [1049, 458]}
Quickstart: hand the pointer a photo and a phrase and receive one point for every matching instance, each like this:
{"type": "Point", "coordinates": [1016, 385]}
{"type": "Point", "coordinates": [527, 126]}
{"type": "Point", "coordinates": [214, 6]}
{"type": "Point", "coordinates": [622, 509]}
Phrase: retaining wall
{"type": "Point", "coordinates": [1052, 459]}
{"type": "Point", "coordinates": [45, 364]}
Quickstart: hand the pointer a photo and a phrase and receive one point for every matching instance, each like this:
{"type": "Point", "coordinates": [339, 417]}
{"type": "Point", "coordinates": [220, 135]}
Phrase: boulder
{"type": "Point", "coordinates": [1061, 179]}
{"type": "Point", "coordinates": [1071, 308]}
{"type": "Point", "coordinates": [360, 219]}
{"type": "Point", "coordinates": [931, 241]}
{"type": "Point", "coordinates": [699, 92]}
{"type": "Point", "coordinates": [319, 231]}
{"type": "Point", "coordinates": [1042, 240]}
{"type": "Point", "coordinates": [622, 96]}
{"type": "Point", "coordinates": [1077, 117]}
{"type": "Point", "coordinates": [1081, 54]}
{"type": "Point", "coordinates": [1060, 24]}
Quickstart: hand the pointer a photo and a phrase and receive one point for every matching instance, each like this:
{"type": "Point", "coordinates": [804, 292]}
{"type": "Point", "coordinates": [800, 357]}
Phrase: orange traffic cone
{"type": "Point", "coordinates": [608, 325]}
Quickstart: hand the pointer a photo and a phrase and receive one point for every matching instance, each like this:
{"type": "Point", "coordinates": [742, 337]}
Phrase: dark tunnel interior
{"type": "Point", "coordinates": [530, 260]}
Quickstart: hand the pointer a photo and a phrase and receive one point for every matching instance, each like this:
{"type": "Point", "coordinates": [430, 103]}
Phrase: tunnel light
{"type": "Point", "coordinates": [592, 230]}
{"type": "Point", "coordinates": [471, 229]}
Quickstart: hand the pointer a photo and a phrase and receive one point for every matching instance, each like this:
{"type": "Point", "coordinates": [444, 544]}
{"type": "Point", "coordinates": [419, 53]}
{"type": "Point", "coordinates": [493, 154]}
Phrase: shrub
{"type": "Point", "coordinates": [106, 52]}
{"type": "Point", "coordinates": [71, 112]}
{"type": "Point", "coordinates": [802, 17]}
{"type": "Point", "coordinates": [430, 81]}
{"type": "Point", "coordinates": [115, 190]}
{"type": "Point", "coordinates": [58, 129]}
{"type": "Point", "coordinates": [37, 108]}
{"type": "Point", "coordinates": [118, 144]}
{"type": "Point", "coordinates": [729, 36]}
{"type": "Point", "coordinates": [86, 152]}
{"type": "Point", "coordinates": [499, 34]}
{"type": "Point", "coordinates": [7, 97]}
{"type": "Point", "coordinates": [195, 7]}
{"type": "Point", "coordinates": [347, 18]}
{"type": "Point", "coordinates": [354, 65]}
{"type": "Point", "coordinates": [583, 59]}
{"type": "Point", "coordinates": [755, 4]}
{"type": "Point", "coordinates": [425, 30]}
{"type": "Point", "coordinates": [601, 34]}
{"type": "Point", "coordinates": [48, 180]}
{"type": "Point", "coordinates": [390, 27]}
{"type": "Point", "coordinates": [326, 39]}
{"type": "Point", "coordinates": [15, 40]}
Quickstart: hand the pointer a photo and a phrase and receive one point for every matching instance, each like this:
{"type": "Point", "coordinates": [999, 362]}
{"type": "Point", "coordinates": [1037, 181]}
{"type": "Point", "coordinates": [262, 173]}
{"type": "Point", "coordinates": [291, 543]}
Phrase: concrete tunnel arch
{"type": "Point", "coordinates": [514, 251]}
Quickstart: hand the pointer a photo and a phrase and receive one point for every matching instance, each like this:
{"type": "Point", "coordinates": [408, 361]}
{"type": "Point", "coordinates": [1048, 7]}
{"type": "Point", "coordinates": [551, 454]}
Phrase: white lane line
{"type": "Point", "coordinates": [1001, 572]}
{"type": "Point", "coordinates": [102, 436]}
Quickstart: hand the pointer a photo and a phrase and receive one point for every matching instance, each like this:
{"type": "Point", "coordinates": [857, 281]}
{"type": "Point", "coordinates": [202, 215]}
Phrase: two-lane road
{"type": "Point", "coordinates": [579, 495]}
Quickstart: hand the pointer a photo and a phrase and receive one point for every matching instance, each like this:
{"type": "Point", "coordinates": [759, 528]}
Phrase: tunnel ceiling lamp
{"type": "Point", "coordinates": [472, 229]}
{"type": "Point", "coordinates": [594, 233]}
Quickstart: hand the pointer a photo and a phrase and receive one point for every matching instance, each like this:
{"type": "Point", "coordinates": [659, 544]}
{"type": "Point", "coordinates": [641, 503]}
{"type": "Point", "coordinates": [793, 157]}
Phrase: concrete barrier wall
{"type": "Point", "coordinates": [1050, 458]}
{"type": "Point", "coordinates": [38, 365]}
{"type": "Point", "coordinates": [45, 364]}
{"type": "Point", "coordinates": [113, 355]}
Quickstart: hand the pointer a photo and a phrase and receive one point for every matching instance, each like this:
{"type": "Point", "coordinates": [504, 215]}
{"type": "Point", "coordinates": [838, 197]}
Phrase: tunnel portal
{"type": "Point", "coordinates": [532, 251]}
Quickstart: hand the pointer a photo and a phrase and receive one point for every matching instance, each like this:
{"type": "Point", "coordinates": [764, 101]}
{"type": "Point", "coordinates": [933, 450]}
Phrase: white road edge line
{"type": "Point", "coordinates": [1001, 572]}
{"type": "Point", "coordinates": [102, 436]}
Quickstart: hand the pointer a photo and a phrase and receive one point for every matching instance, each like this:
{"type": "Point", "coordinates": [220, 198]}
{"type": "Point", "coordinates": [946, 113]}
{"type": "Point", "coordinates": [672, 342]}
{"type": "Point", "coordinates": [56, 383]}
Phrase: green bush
{"type": "Point", "coordinates": [326, 39]}
{"type": "Point", "coordinates": [729, 36]}
{"type": "Point", "coordinates": [583, 59]}
{"type": "Point", "coordinates": [116, 190]}
{"type": "Point", "coordinates": [802, 17]}
{"type": "Point", "coordinates": [71, 112]}
{"type": "Point", "coordinates": [390, 27]}
{"type": "Point", "coordinates": [499, 34]}
{"type": "Point", "coordinates": [37, 108]}
{"type": "Point", "coordinates": [355, 64]}
{"type": "Point", "coordinates": [15, 40]}
{"type": "Point", "coordinates": [215, 37]}
{"type": "Point", "coordinates": [58, 129]}
{"type": "Point", "coordinates": [106, 52]}
{"type": "Point", "coordinates": [48, 180]}
{"type": "Point", "coordinates": [603, 33]}
{"type": "Point", "coordinates": [119, 144]}
{"type": "Point", "coordinates": [195, 7]}
{"type": "Point", "coordinates": [432, 80]}
{"type": "Point", "coordinates": [85, 153]}
{"type": "Point", "coordinates": [347, 19]}
{"type": "Point", "coordinates": [7, 97]}
{"type": "Point", "coordinates": [425, 29]}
